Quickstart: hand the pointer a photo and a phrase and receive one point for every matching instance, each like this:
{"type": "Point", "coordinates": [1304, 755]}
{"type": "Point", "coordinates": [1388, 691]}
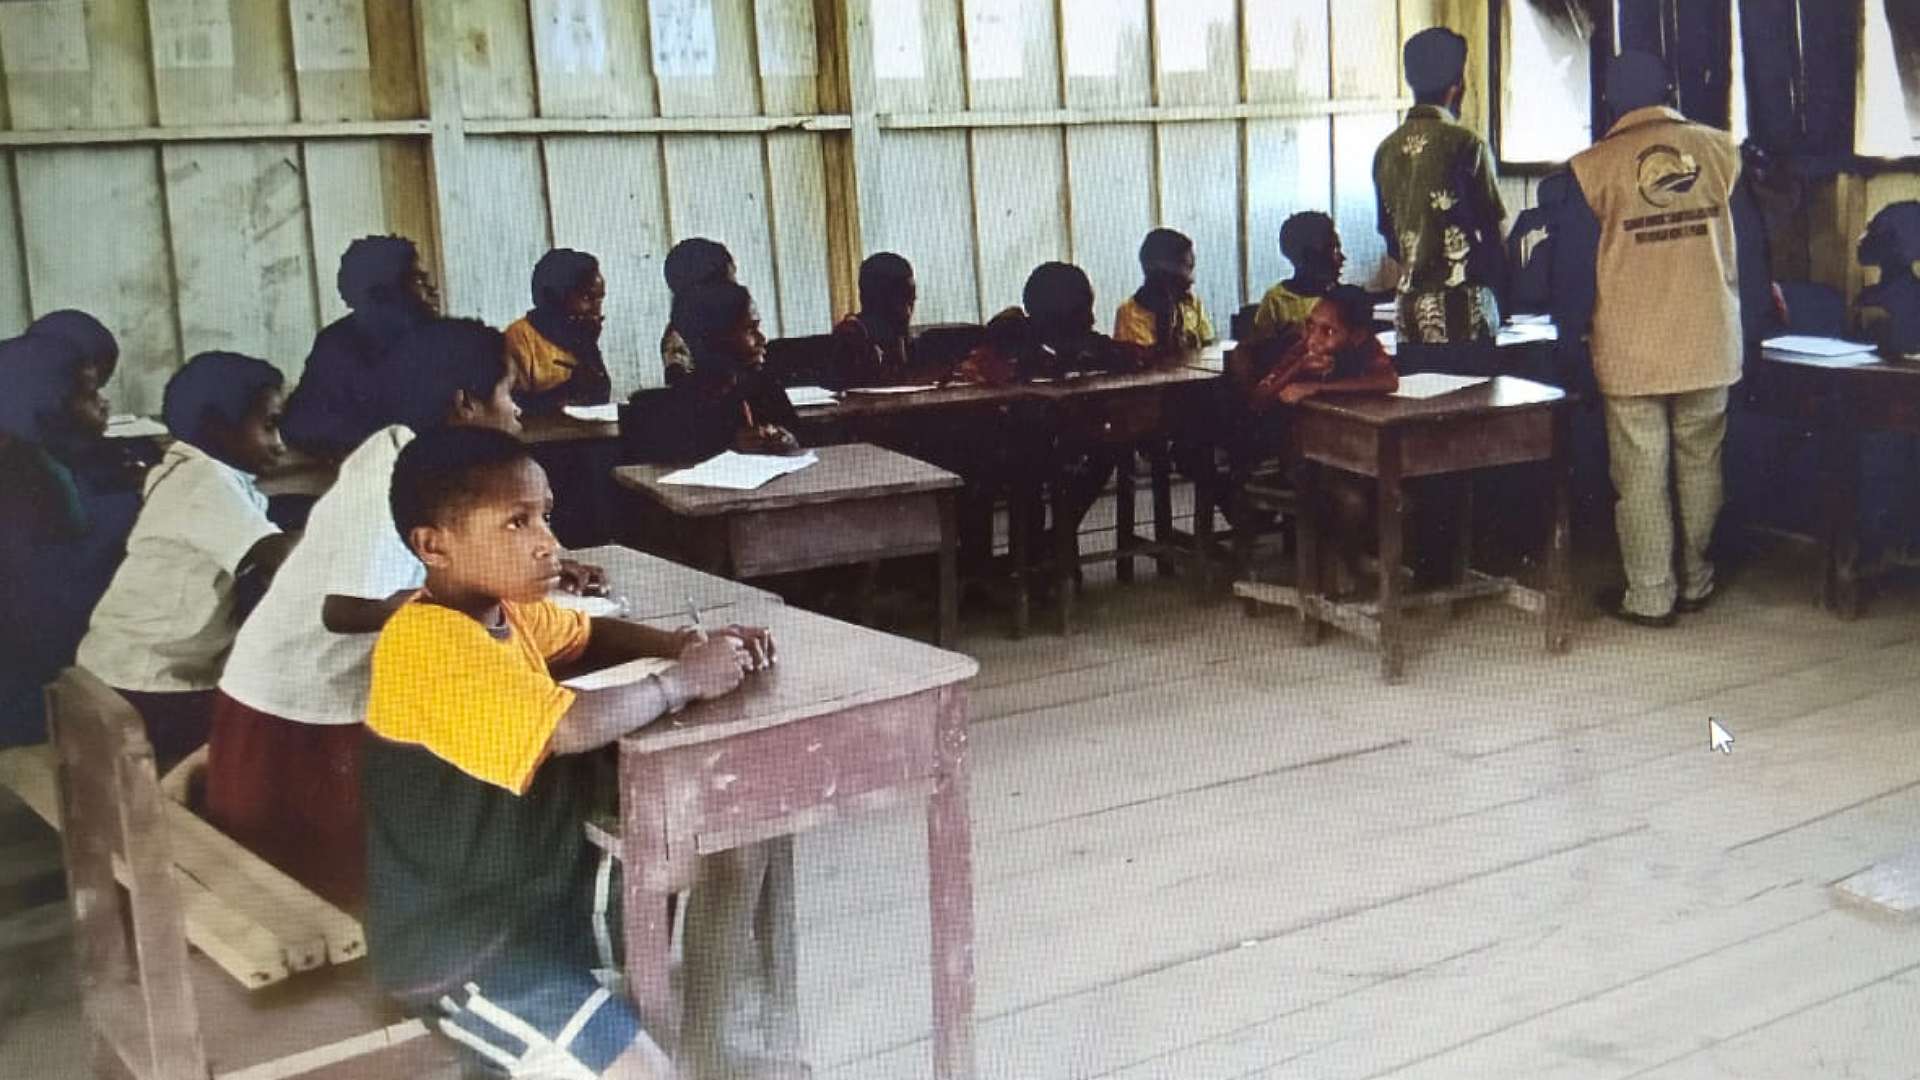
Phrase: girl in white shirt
{"type": "Point", "coordinates": [162, 630]}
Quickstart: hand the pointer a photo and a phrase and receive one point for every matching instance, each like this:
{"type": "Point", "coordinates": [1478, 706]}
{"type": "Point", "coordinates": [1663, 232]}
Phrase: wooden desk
{"type": "Point", "coordinates": [1506, 421]}
{"type": "Point", "coordinates": [298, 475]}
{"type": "Point", "coordinates": [560, 428]}
{"type": "Point", "coordinates": [1840, 404]}
{"type": "Point", "coordinates": [850, 720]}
{"type": "Point", "coordinates": [860, 504]}
{"type": "Point", "coordinates": [1113, 416]}
{"type": "Point", "coordinates": [654, 588]}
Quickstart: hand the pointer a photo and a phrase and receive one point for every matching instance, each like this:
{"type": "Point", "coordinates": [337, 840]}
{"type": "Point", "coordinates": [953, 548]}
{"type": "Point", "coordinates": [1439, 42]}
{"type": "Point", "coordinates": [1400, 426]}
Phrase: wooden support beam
{"type": "Point", "coordinates": [1151, 114]}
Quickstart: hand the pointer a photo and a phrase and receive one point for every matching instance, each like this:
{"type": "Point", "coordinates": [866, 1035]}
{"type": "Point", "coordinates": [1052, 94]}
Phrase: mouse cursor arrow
{"type": "Point", "coordinates": [1719, 738]}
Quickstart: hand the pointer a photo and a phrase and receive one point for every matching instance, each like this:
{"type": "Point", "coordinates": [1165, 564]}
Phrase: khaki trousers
{"type": "Point", "coordinates": [1660, 447]}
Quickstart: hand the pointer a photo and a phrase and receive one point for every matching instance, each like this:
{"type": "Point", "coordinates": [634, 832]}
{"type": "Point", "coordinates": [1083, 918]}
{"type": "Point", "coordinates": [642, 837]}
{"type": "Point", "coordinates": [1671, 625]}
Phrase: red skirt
{"type": "Point", "coordinates": [290, 793]}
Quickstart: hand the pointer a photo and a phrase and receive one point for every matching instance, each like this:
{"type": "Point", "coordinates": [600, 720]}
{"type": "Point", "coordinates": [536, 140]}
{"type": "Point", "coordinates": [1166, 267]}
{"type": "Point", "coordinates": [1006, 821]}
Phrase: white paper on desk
{"type": "Point", "coordinates": [1804, 345]}
{"type": "Point", "coordinates": [1390, 341]}
{"type": "Point", "coordinates": [595, 414]}
{"type": "Point", "coordinates": [134, 427]}
{"type": "Point", "coordinates": [1531, 320]}
{"type": "Point", "coordinates": [1218, 350]}
{"type": "Point", "coordinates": [619, 675]}
{"type": "Point", "coordinates": [1847, 361]}
{"type": "Point", "coordinates": [1387, 312]}
{"type": "Point", "coordinates": [1527, 334]}
{"type": "Point", "coordinates": [595, 607]}
{"type": "Point", "coordinates": [739, 472]}
{"type": "Point", "coordinates": [803, 397]}
{"type": "Point", "coordinates": [1433, 384]}
{"type": "Point", "coordinates": [890, 389]}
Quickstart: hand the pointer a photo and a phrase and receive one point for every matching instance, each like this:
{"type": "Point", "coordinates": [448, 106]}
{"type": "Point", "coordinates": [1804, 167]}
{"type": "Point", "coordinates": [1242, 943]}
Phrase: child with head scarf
{"type": "Point", "coordinates": [202, 546]}
{"type": "Point", "coordinates": [63, 536]}
{"type": "Point", "coordinates": [727, 401]}
{"type": "Point", "coordinates": [692, 264]}
{"type": "Point", "coordinates": [555, 349]}
{"type": "Point", "coordinates": [1163, 316]}
{"type": "Point", "coordinates": [872, 347]}
{"type": "Point", "coordinates": [337, 403]}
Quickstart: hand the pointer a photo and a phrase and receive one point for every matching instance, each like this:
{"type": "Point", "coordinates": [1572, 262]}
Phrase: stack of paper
{"type": "Point", "coordinates": [134, 427]}
{"type": "Point", "coordinates": [618, 675]}
{"type": "Point", "coordinates": [594, 607]}
{"type": "Point", "coordinates": [1390, 341]}
{"type": "Point", "coordinates": [595, 414]}
{"type": "Point", "coordinates": [739, 472]}
{"type": "Point", "coordinates": [1218, 350]}
{"type": "Point", "coordinates": [1386, 312]}
{"type": "Point", "coordinates": [1433, 384]}
{"type": "Point", "coordinates": [890, 389]}
{"type": "Point", "coordinates": [1804, 345]}
{"type": "Point", "coordinates": [1527, 333]}
{"type": "Point", "coordinates": [805, 396]}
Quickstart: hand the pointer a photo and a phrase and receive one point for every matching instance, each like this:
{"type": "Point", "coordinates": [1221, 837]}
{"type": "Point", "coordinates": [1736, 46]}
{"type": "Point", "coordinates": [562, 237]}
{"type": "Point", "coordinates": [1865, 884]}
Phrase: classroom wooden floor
{"type": "Point", "coordinates": [1202, 852]}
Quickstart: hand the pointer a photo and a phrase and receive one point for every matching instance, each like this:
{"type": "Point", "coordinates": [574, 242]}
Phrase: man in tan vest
{"type": "Point", "coordinates": [1653, 229]}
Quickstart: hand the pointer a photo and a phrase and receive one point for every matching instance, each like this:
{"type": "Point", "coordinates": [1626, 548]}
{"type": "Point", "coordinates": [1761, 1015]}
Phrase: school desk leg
{"type": "Point", "coordinates": [1841, 547]}
{"type": "Point", "coordinates": [949, 627]}
{"type": "Point", "coordinates": [1560, 537]}
{"type": "Point", "coordinates": [780, 953]}
{"type": "Point", "coordinates": [1392, 551]}
{"type": "Point", "coordinates": [643, 841]}
{"type": "Point", "coordinates": [1462, 538]}
{"type": "Point", "coordinates": [1124, 537]}
{"type": "Point", "coordinates": [1306, 553]}
{"type": "Point", "coordinates": [1066, 550]}
{"type": "Point", "coordinates": [950, 892]}
{"type": "Point", "coordinates": [1206, 498]}
{"type": "Point", "coordinates": [1162, 458]}
{"type": "Point", "coordinates": [1022, 520]}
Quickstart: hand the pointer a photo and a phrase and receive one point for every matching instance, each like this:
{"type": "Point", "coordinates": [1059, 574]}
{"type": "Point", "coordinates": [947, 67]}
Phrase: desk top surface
{"type": "Point", "coordinates": [845, 473]}
{"type": "Point", "coordinates": [559, 427]}
{"type": "Point", "coordinates": [656, 588]}
{"type": "Point", "coordinates": [825, 666]}
{"type": "Point", "coordinates": [1502, 392]}
{"type": "Point", "coordinates": [1815, 363]}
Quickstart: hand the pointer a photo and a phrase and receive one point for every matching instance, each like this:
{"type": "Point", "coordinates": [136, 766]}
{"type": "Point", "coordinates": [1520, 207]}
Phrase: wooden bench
{"type": "Point", "coordinates": [145, 878]}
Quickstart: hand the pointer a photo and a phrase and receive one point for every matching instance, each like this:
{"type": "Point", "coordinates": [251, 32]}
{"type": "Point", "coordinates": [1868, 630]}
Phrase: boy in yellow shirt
{"type": "Point", "coordinates": [1163, 316]}
{"type": "Point", "coordinates": [488, 911]}
{"type": "Point", "coordinates": [1312, 244]}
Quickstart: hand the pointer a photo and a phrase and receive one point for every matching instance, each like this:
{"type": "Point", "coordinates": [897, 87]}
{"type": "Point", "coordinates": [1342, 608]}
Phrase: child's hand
{"type": "Point", "coordinates": [1295, 393]}
{"type": "Point", "coordinates": [759, 644]}
{"type": "Point", "coordinates": [582, 579]}
{"type": "Point", "coordinates": [708, 669]}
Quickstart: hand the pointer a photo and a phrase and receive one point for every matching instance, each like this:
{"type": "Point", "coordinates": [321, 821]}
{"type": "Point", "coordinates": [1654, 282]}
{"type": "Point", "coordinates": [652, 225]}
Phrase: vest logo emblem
{"type": "Point", "coordinates": [1665, 174]}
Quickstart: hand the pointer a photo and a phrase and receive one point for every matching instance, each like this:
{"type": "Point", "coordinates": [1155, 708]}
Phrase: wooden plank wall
{"type": "Point", "coordinates": [1081, 124]}
{"type": "Point", "coordinates": [182, 246]}
{"type": "Point", "coordinates": [976, 137]}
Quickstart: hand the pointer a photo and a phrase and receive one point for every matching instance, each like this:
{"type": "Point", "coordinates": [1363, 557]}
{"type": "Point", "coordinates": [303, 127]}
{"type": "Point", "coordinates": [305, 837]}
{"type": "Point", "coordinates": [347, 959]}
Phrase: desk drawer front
{"type": "Point", "coordinates": [1113, 418]}
{"type": "Point", "coordinates": [833, 534]}
{"type": "Point", "coordinates": [1428, 449]}
{"type": "Point", "coordinates": [720, 793]}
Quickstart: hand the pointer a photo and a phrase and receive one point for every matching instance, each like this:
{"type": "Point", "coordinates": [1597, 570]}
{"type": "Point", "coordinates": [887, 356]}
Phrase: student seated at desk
{"type": "Point", "coordinates": [1051, 338]}
{"type": "Point", "coordinates": [201, 549]}
{"type": "Point", "coordinates": [283, 753]}
{"type": "Point", "coordinates": [337, 403]}
{"type": "Point", "coordinates": [489, 913]}
{"type": "Point", "coordinates": [1890, 308]}
{"type": "Point", "coordinates": [872, 346]}
{"type": "Point", "coordinates": [692, 264]}
{"type": "Point", "coordinates": [1312, 244]}
{"type": "Point", "coordinates": [555, 349]}
{"type": "Point", "coordinates": [727, 402]}
{"type": "Point", "coordinates": [102, 464]}
{"type": "Point", "coordinates": [1336, 353]}
{"type": "Point", "coordinates": [62, 533]}
{"type": "Point", "coordinates": [1163, 316]}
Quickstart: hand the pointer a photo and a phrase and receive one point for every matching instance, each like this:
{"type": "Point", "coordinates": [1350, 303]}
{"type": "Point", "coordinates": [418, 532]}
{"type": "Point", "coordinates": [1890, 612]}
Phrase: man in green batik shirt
{"type": "Point", "coordinates": [1440, 212]}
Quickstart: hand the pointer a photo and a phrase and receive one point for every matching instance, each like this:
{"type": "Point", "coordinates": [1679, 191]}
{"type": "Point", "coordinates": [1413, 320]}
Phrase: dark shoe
{"type": "Point", "coordinates": [1692, 607]}
{"type": "Point", "coordinates": [1610, 602]}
